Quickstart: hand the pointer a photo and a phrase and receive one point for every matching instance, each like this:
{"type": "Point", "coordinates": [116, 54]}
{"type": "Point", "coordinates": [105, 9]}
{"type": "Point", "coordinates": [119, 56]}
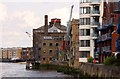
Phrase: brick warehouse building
{"type": "Point", "coordinates": [47, 41]}
{"type": "Point", "coordinates": [106, 42]}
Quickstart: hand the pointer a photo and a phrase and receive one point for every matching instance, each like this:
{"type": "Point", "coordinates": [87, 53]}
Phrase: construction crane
{"type": "Point", "coordinates": [69, 23]}
{"type": "Point", "coordinates": [30, 36]}
{"type": "Point", "coordinates": [69, 26]}
{"type": "Point", "coordinates": [68, 36]}
{"type": "Point", "coordinates": [71, 13]}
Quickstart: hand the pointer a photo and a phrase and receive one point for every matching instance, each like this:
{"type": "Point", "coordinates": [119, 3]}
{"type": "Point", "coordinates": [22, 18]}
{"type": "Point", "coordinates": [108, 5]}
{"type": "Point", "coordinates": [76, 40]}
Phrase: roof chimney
{"type": "Point", "coordinates": [46, 25]}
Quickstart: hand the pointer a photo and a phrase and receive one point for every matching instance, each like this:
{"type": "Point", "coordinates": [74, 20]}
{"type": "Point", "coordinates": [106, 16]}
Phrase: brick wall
{"type": "Point", "coordinates": [100, 70]}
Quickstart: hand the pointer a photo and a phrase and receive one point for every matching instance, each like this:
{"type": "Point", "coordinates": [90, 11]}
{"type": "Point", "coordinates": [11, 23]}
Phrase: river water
{"type": "Point", "coordinates": [18, 71]}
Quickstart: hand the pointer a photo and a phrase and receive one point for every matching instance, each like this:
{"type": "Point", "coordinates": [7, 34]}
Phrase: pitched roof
{"type": "Point", "coordinates": [60, 27]}
{"type": "Point", "coordinates": [54, 29]}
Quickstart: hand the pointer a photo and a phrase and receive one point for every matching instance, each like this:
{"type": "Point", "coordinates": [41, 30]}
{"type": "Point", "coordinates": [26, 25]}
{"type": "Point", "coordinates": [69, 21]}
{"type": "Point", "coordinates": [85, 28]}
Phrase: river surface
{"type": "Point", "coordinates": [17, 70]}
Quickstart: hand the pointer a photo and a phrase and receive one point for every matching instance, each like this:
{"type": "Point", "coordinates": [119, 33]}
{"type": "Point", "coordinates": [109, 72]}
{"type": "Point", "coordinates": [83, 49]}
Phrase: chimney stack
{"type": "Point", "coordinates": [46, 25]}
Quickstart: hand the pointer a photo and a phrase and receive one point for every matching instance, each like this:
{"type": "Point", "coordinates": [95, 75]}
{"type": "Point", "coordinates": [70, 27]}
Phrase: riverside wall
{"type": "Point", "coordinates": [100, 70]}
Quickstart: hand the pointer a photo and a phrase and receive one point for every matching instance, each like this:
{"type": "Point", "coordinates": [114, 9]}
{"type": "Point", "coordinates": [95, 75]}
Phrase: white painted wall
{"type": "Point", "coordinates": [92, 46]}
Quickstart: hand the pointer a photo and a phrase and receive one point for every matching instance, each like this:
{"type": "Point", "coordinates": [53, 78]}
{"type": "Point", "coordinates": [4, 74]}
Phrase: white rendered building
{"type": "Point", "coordinates": [90, 17]}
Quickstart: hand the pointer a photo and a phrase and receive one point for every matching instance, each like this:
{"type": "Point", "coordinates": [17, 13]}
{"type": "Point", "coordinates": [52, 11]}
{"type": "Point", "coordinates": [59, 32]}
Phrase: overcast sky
{"type": "Point", "coordinates": [20, 16]}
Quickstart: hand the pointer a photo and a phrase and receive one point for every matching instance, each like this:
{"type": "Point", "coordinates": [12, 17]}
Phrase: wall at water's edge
{"type": "Point", "coordinates": [100, 70]}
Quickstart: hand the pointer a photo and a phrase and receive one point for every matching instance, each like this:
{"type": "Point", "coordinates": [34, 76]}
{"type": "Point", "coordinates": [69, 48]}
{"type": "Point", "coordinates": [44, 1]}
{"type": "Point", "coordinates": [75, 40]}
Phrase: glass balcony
{"type": "Point", "coordinates": [104, 37]}
{"type": "Point", "coordinates": [95, 1]}
{"type": "Point", "coordinates": [99, 39]}
{"type": "Point", "coordinates": [98, 49]}
{"type": "Point", "coordinates": [85, 1]}
{"type": "Point", "coordinates": [95, 12]}
{"type": "Point", "coordinates": [94, 35]}
{"type": "Point", "coordinates": [108, 36]}
{"type": "Point", "coordinates": [106, 48]}
{"type": "Point", "coordinates": [95, 23]}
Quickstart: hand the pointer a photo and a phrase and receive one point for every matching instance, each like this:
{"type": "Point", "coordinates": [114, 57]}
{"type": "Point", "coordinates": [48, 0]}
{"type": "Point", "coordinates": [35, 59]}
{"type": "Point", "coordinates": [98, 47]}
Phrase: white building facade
{"type": "Point", "coordinates": [90, 17]}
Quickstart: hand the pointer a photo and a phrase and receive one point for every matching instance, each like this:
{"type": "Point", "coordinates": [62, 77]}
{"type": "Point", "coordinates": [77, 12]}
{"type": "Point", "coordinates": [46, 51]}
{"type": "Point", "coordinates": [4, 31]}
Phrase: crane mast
{"type": "Point", "coordinates": [69, 23]}
{"type": "Point", "coordinates": [71, 13]}
{"type": "Point", "coordinates": [68, 36]}
{"type": "Point", "coordinates": [29, 35]}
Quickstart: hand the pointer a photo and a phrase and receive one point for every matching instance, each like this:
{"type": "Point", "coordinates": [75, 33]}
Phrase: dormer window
{"type": "Point", "coordinates": [55, 30]}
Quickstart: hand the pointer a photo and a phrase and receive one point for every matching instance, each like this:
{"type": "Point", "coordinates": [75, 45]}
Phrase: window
{"type": "Point", "coordinates": [43, 51]}
{"type": "Point", "coordinates": [50, 44]}
{"type": "Point", "coordinates": [87, 43]}
{"type": "Point", "coordinates": [96, 9]}
{"type": "Point", "coordinates": [55, 30]}
{"type": "Point", "coordinates": [81, 21]}
{"type": "Point", "coordinates": [50, 51]}
{"type": "Point", "coordinates": [85, 54]}
{"type": "Point", "coordinates": [84, 32]}
{"type": "Point", "coordinates": [87, 32]}
{"type": "Point", "coordinates": [95, 19]}
{"type": "Point", "coordinates": [87, 21]}
{"type": "Point", "coordinates": [81, 32]}
{"type": "Point", "coordinates": [44, 44]}
{"type": "Point", "coordinates": [50, 58]}
{"type": "Point", "coordinates": [84, 10]}
{"type": "Point", "coordinates": [39, 48]}
{"type": "Point", "coordinates": [84, 21]}
{"type": "Point", "coordinates": [84, 43]}
{"type": "Point", "coordinates": [43, 58]}
{"type": "Point", "coordinates": [87, 10]}
{"type": "Point", "coordinates": [56, 44]}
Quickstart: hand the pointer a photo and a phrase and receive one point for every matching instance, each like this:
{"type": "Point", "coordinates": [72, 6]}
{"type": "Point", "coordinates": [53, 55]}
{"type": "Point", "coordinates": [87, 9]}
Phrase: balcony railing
{"type": "Point", "coordinates": [90, 1]}
{"type": "Point", "coordinates": [98, 49]}
{"type": "Point", "coordinates": [108, 35]}
{"type": "Point", "coordinates": [95, 23]}
{"type": "Point", "coordinates": [95, 12]}
{"type": "Point", "coordinates": [99, 39]}
{"type": "Point", "coordinates": [94, 1]}
{"type": "Point", "coordinates": [106, 49]}
{"type": "Point", "coordinates": [104, 37]}
{"type": "Point", "coordinates": [94, 35]}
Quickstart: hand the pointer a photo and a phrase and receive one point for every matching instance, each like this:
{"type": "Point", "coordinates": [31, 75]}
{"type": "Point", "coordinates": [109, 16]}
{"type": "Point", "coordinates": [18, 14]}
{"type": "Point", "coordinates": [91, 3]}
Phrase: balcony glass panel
{"type": "Point", "coordinates": [95, 1]}
{"type": "Point", "coordinates": [95, 12]}
{"type": "Point", "coordinates": [95, 23]}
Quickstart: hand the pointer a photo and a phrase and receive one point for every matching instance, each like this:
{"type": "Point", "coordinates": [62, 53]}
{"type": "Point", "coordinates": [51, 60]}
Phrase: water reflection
{"type": "Point", "coordinates": [18, 71]}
